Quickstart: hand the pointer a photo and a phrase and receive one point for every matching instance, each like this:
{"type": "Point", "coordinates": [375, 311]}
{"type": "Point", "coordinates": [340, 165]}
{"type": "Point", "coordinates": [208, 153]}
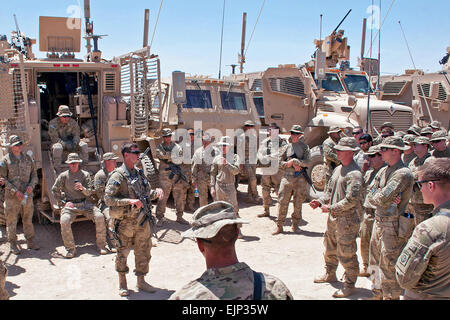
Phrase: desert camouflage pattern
{"type": "Point", "coordinates": [248, 168]}
{"type": "Point", "coordinates": [64, 184]}
{"type": "Point", "coordinates": [329, 157]}
{"type": "Point", "coordinates": [18, 175]}
{"type": "Point", "coordinates": [292, 186]}
{"type": "Point", "coordinates": [4, 295]}
{"type": "Point", "coordinates": [201, 171]}
{"type": "Point", "coordinates": [2, 209]}
{"type": "Point", "coordinates": [59, 133]}
{"type": "Point", "coordinates": [233, 282]}
{"type": "Point", "coordinates": [441, 154]}
{"type": "Point", "coordinates": [223, 180]}
{"type": "Point", "coordinates": [179, 189]}
{"type": "Point", "coordinates": [344, 198]}
{"type": "Point", "coordinates": [386, 242]}
{"type": "Point", "coordinates": [187, 171]}
{"type": "Point", "coordinates": [360, 157]}
{"type": "Point", "coordinates": [118, 192]}
{"type": "Point", "coordinates": [407, 158]}
{"type": "Point", "coordinates": [100, 180]}
{"type": "Point", "coordinates": [422, 268]}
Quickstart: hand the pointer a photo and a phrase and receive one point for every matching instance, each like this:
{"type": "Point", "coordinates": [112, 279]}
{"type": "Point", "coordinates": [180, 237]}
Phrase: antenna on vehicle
{"type": "Point", "coordinates": [96, 54]}
{"type": "Point", "coordinates": [406, 41]}
{"type": "Point", "coordinates": [241, 56]}
{"type": "Point", "coordinates": [221, 40]}
{"type": "Point", "coordinates": [146, 23]}
{"type": "Point", "coordinates": [370, 73]}
{"type": "Point", "coordinates": [379, 50]}
{"type": "Point", "coordinates": [233, 68]}
{"type": "Point", "coordinates": [320, 35]}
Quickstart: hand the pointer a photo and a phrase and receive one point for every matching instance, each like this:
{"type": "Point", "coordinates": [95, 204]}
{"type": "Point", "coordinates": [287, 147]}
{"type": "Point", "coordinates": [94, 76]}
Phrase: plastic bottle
{"type": "Point", "coordinates": [24, 201]}
{"type": "Point", "coordinates": [196, 192]}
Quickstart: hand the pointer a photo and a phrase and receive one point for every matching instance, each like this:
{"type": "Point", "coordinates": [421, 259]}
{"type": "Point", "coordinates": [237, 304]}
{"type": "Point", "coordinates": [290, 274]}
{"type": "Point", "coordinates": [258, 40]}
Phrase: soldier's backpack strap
{"type": "Point", "coordinates": [257, 285]}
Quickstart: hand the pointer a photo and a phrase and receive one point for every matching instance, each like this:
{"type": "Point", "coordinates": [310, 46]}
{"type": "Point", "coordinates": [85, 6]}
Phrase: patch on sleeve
{"type": "Point", "coordinates": [52, 126]}
{"type": "Point", "coordinates": [404, 258]}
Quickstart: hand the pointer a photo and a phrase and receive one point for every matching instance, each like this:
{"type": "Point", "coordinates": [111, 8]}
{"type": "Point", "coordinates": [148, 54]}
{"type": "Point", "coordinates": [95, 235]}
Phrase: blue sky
{"type": "Point", "coordinates": [188, 33]}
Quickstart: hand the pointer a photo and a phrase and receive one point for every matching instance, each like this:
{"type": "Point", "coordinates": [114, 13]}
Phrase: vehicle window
{"type": "Point", "coordinates": [198, 99]}
{"type": "Point", "coordinates": [259, 104]}
{"type": "Point", "coordinates": [332, 83]}
{"type": "Point", "coordinates": [357, 83]}
{"type": "Point", "coordinates": [233, 100]}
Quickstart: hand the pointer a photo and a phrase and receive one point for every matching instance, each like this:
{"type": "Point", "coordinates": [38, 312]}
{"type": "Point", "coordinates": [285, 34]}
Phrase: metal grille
{"type": "Point", "coordinates": [442, 95]}
{"type": "Point", "coordinates": [289, 85]}
{"type": "Point", "coordinates": [257, 85]}
{"type": "Point", "coordinates": [393, 87]}
{"type": "Point", "coordinates": [109, 82]}
{"type": "Point", "coordinates": [401, 120]}
{"type": "Point", "coordinates": [423, 89]}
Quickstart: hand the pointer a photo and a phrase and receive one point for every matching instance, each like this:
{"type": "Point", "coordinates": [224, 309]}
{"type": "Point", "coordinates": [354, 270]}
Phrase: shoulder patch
{"type": "Point", "coordinates": [404, 258]}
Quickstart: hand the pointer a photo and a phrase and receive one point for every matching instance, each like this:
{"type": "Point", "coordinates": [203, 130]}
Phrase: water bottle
{"type": "Point", "coordinates": [24, 201]}
{"type": "Point", "coordinates": [196, 192]}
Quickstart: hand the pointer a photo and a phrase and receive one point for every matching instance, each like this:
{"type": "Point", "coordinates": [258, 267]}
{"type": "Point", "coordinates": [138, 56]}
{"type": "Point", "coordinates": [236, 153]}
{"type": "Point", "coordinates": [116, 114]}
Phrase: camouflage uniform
{"type": "Point", "coordinates": [2, 209]}
{"type": "Point", "coordinates": [201, 171]}
{"type": "Point", "coordinates": [249, 163]}
{"type": "Point", "coordinates": [60, 134]}
{"type": "Point", "coordinates": [232, 282]}
{"type": "Point", "coordinates": [187, 171]}
{"type": "Point", "coordinates": [386, 242]}
{"type": "Point", "coordinates": [437, 136]}
{"type": "Point", "coordinates": [407, 158]}
{"type": "Point", "coordinates": [290, 184]}
{"type": "Point", "coordinates": [422, 268]}
{"type": "Point", "coordinates": [82, 205]}
{"type": "Point", "coordinates": [3, 274]}
{"type": "Point", "coordinates": [179, 189]}
{"type": "Point", "coordinates": [343, 196]}
{"type": "Point", "coordinates": [19, 173]}
{"type": "Point", "coordinates": [329, 158]}
{"type": "Point", "coordinates": [266, 154]}
{"type": "Point", "coordinates": [118, 192]}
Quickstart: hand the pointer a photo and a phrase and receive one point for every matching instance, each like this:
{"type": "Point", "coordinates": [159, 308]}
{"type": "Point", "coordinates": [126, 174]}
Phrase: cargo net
{"type": "Point", "coordinates": [12, 107]}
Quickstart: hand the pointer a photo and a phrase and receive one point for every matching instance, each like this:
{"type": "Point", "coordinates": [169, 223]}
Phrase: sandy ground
{"type": "Point", "coordinates": [294, 258]}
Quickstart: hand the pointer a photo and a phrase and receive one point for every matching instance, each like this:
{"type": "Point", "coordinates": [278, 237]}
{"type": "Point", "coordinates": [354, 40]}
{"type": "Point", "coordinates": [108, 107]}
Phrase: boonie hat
{"type": "Point", "coordinates": [334, 129]}
{"type": "Point", "coordinates": [394, 142]}
{"type": "Point", "coordinates": [426, 130]}
{"type": "Point", "coordinates": [347, 144]}
{"type": "Point", "coordinates": [296, 129]}
{"type": "Point", "coordinates": [439, 135]}
{"type": "Point", "coordinates": [110, 156]}
{"type": "Point", "coordinates": [166, 132]}
{"type": "Point", "coordinates": [388, 125]}
{"type": "Point", "coordinates": [414, 129]}
{"type": "Point", "coordinates": [373, 150]}
{"type": "Point", "coordinates": [421, 140]}
{"type": "Point", "coordinates": [73, 157]}
{"type": "Point", "coordinates": [64, 110]}
{"type": "Point", "coordinates": [400, 134]}
{"type": "Point", "coordinates": [208, 220]}
{"type": "Point", "coordinates": [224, 141]}
{"type": "Point", "coordinates": [435, 124]}
{"type": "Point", "coordinates": [409, 138]}
{"type": "Point", "coordinates": [249, 123]}
{"type": "Point", "coordinates": [14, 141]}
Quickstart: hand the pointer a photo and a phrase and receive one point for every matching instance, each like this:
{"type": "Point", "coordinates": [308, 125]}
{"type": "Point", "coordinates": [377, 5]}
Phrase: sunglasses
{"type": "Point", "coordinates": [419, 183]}
{"type": "Point", "coordinates": [437, 141]}
{"type": "Point", "coordinates": [134, 151]}
{"type": "Point", "coordinates": [363, 142]}
{"type": "Point", "coordinates": [65, 116]}
{"type": "Point", "coordinates": [373, 155]}
{"type": "Point", "coordinates": [356, 133]}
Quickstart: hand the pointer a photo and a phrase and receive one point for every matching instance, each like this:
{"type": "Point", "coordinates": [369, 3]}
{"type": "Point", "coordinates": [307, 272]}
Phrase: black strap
{"type": "Point", "coordinates": [257, 285]}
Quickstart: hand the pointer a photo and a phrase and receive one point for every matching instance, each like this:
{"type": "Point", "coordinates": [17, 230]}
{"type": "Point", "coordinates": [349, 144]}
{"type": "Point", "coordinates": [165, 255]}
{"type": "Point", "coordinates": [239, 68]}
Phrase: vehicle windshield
{"type": "Point", "coordinates": [198, 99]}
{"type": "Point", "coordinates": [357, 83]}
{"type": "Point", "coordinates": [332, 83]}
{"type": "Point", "coordinates": [233, 100]}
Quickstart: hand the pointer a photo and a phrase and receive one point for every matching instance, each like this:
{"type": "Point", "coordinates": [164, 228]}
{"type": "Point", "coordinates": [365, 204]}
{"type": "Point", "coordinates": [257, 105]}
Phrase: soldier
{"type": "Point", "coordinates": [435, 126]}
{"type": "Point", "coordinates": [387, 130]}
{"type": "Point", "coordinates": [365, 142]}
{"type": "Point", "coordinates": [171, 177]}
{"type": "Point", "coordinates": [64, 133]}
{"type": "Point", "coordinates": [224, 169]}
{"type": "Point", "coordinates": [100, 180]}
{"type": "Point", "coordinates": [439, 142]}
{"type": "Point", "coordinates": [215, 229]}
{"type": "Point", "coordinates": [394, 180]}
{"type": "Point", "coordinates": [122, 198]}
{"type": "Point", "coordinates": [400, 134]}
{"type": "Point", "coordinates": [417, 207]}
{"type": "Point", "coordinates": [187, 170]}
{"type": "Point", "coordinates": [422, 268]}
{"type": "Point", "coordinates": [414, 129]}
{"type": "Point", "coordinates": [329, 153]}
{"type": "Point", "coordinates": [426, 132]}
{"type": "Point", "coordinates": [2, 199]}
{"type": "Point", "coordinates": [375, 163]}
{"type": "Point", "coordinates": [342, 200]}
{"type": "Point", "coordinates": [293, 159]}
{"type": "Point", "coordinates": [267, 154]}
{"type": "Point", "coordinates": [408, 154]}
{"type": "Point", "coordinates": [77, 187]}
{"type": "Point", "coordinates": [247, 143]}
{"type": "Point", "coordinates": [201, 168]}
{"type": "Point", "coordinates": [19, 173]}
{"type": "Point", "coordinates": [356, 133]}
{"type": "Point", "coordinates": [4, 295]}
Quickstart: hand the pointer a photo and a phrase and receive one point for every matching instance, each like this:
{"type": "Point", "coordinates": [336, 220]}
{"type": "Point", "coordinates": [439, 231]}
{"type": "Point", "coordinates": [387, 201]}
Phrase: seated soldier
{"type": "Point", "coordinates": [64, 133]}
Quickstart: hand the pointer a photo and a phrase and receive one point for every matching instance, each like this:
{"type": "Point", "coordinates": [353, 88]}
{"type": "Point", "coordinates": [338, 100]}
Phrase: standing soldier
{"type": "Point", "coordinates": [408, 154]}
{"type": "Point", "coordinates": [375, 163]}
{"type": "Point", "coordinates": [387, 130]}
{"type": "Point", "coordinates": [186, 168]}
{"type": "Point", "coordinates": [201, 169]}
{"type": "Point", "coordinates": [268, 153]}
{"type": "Point", "coordinates": [414, 129]}
{"type": "Point", "coordinates": [329, 153]}
{"type": "Point", "coordinates": [64, 133]}
{"type": "Point", "coordinates": [293, 159]}
{"type": "Point", "coordinates": [171, 177]}
{"type": "Point", "coordinates": [122, 198]}
{"type": "Point", "coordinates": [435, 126]}
{"type": "Point", "coordinates": [2, 199]}
{"type": "Point", "coordinates": [100, 180]}
{"type": "Point", "coordinates": [77, 187]}
{"type": "Point", "coordinates": [4, 295]}
{"type": "Point", "coordinates": [247, 142]}
{"type": "Point", "coordinates": [342, 200]}
{"type": "Point", "coordinates": [394, 180]}
{"type": "Point", "coordinates": [365, 142]}
{"type": "Point", "coordinates": [224, 169]}
{"type": "Point", "coordinates": [426, 132]}
{"type": "Point", "coordinates": [439, 142]}
{"type": "Point", "coordinates": [19, 173]}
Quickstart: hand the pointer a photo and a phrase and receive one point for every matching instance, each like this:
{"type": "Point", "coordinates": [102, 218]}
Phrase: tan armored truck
{"type": "Point", "coordinates": [427, 93]}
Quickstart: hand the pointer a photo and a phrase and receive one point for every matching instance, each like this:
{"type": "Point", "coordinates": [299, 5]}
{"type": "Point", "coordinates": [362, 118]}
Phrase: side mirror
{"type": "Point", "coordinates": [351, 101]}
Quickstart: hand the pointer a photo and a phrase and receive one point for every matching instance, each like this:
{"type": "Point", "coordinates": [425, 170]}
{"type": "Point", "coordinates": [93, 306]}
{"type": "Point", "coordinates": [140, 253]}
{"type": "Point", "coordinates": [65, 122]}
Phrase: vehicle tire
{"type": "Point", "coordinates": [150, 172]}
{"type": "Point", "coordinates": [316, 172]}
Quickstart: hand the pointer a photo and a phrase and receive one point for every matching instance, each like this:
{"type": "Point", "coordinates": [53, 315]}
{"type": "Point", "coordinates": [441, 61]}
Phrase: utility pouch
{"type": "Point", "coordinates": [406, 225]}
{"type": "Point", "coordinates": [117, 212]}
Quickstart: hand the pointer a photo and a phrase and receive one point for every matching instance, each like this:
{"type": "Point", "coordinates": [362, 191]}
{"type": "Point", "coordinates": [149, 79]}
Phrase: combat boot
{"type": "Point", "coordinates": [295, 227]}
{"type": "Point", "coordinates": [70, 253]}
{"type": "Point", "coordinates": [364, 272]}
{"type": "Point", "coordinates": [345, 291]}
{"type": "Point", "coordinates": [123, 288]}
{"type": "Point", "coordinates": [144, 286]}
{"type": "Point", "coordinates": [14, 248]}
{"type": "Point", "coordinates": [182, 221]}
{"type": "Point", "coordinates": [31, 245]}
{"type": "Point", "coordinates": [160, 222]}
{"type": "Point", "coordinates": [327, 277]}
{"type": "Point", "coordinates": [278, 230]}
{"type": "Point", "coordinates": [265, 214]}
{"type": "Point", "coordinates": [102, 250]}
{"type": "Point", "coordinates": [376, 295]}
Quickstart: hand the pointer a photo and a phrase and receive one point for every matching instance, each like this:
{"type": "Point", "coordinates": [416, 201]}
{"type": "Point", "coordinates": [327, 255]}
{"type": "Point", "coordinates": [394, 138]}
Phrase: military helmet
{"type": "Point", "coordinates": [208, 220]}
{"type": "Point", "coordinates": [296, 129]}
{"type": "Point", "coordinates": [64, 111]}
{"type": "Point", "coordinates": [347, 144]}
{"type": "Point", "coordinates": [73, 157]}
{"type": "Point", "coordinates": [439, 135]}
{"type": "Point", "coordinates": [14, 141]}
{"type": "Point", "coordinates": [394, 142]}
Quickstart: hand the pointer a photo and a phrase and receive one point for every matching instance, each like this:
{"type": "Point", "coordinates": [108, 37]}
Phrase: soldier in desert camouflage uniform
{"type": "Point", "coordinates": [201, 168]}
{"type": "Point", "coordinates": [124, 209]}
{"type": "Point", "coordinates": [426, 132]}
{"type": "Point", "coordinates": [293, 158]}
{"type": "Point", "coordinates": [420, 210]}
{"type": "Point", "coordinates": [169, 154]}
{"type": "Point", "coordinates": [439, 142]}
{"type": "Point", "coordinates": [2, 199]}
{"type": "Point", "coordinates": [77, 186]}
{"type": "Point", "coordinates": [414, 130]}
{"type": "Point", "coordinates": [387, 130]}
{"type": "Point", "coordinates": [408, 155]}
{"type": "Point", "coordinates": [215, 228]}
{"type": "Point", "coordinates": [224, 169]}
{"type": "Point", "coordinates": [268, 155]}
{"type": "Point", "coordinates": [422, 268]}
{"type": "Point", "coordinates": [329, 154]}
{"type": "Point", "coordinates": [394, 180]}
{"type": "Point", "coordinates": [342, 200]}
{"type": "Point", "coordinates": [20, 177]}
{"type": "Point", "coordinates": [187, 144]}
{"type": "Point", "coordinates": [64, 133]}
{"type": "Point", "coordinates": [3, 274]}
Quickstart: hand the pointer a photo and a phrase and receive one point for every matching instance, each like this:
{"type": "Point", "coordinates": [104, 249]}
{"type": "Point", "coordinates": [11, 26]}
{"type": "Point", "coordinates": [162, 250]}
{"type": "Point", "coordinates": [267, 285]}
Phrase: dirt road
{"type": "Point", "coordinates": [294, 258]}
